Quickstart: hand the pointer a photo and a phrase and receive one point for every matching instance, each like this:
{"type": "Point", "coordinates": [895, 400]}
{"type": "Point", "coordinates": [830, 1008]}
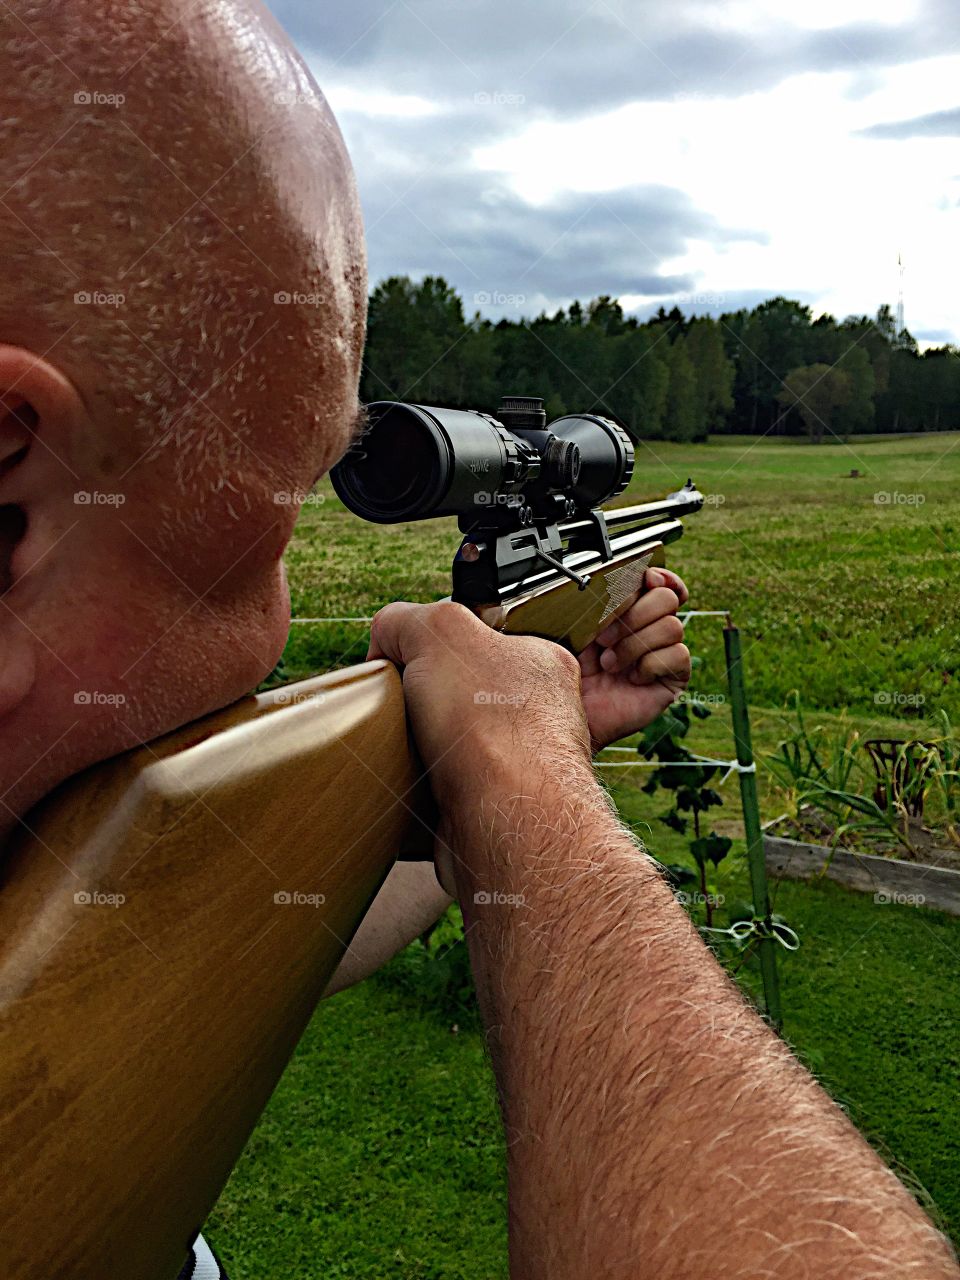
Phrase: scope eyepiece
{"type": "Point", "coordinates": [561, 464]}
{"type": "Point", "coordinates": [606, 457]}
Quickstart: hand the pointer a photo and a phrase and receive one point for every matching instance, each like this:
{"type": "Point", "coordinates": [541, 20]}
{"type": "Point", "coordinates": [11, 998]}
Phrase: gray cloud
{"type": "Point", "coordinates": [428, 212]}
{"type": "Point", "coordinates": [571, 59]}
{"type": "Point", "coordinates": [939, 124]}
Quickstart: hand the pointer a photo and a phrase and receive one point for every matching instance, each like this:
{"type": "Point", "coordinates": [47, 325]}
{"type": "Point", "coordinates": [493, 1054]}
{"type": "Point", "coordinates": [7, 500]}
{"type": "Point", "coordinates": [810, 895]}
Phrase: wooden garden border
{"type": "Point", "coordinates": [909, 883]}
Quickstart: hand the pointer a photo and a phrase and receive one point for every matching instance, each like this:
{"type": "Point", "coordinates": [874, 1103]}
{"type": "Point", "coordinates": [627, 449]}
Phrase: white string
{"type": "Point", "coordinates": [684, 616]}
{"type": "Point", "coordinates": [743, 930]}
{"type": "Point", "coordinates": [697, 762]}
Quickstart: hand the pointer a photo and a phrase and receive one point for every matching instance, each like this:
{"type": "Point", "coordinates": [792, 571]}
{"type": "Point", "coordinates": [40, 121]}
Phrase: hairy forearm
{"type": "Point", "coordinates": [654, 1123]}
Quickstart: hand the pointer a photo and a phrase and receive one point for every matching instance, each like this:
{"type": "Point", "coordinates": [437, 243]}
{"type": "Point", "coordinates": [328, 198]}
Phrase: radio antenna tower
{"type": "Point", "coordinates": [900, 324]}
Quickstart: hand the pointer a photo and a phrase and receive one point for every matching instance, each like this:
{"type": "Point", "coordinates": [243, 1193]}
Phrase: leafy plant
{"type": "Point", "coordinates": [679, 772]}
{"type": "Point", "coordinates": [435, 968]}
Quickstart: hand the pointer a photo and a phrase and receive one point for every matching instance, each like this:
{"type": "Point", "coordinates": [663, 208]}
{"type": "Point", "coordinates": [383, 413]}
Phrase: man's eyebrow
{"type": "Point", "coordinates": [361, 420]}
{"type": "Point", "coordinates": [357, 427]}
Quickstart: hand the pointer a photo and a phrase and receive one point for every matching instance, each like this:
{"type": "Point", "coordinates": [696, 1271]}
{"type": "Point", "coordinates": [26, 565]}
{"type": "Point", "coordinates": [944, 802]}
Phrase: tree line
{"type": "Point", "coordinates": [773, 369]}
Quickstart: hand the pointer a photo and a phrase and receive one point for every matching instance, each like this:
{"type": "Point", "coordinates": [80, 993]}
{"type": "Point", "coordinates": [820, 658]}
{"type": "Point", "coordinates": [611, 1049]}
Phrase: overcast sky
{"type": "Point", "coordinates": [706, 152]}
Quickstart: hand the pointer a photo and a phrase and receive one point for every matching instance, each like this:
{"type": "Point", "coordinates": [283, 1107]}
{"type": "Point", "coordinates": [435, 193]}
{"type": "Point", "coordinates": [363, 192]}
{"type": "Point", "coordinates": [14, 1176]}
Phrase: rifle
{"type": "Point", "coordinates": [169, 919]}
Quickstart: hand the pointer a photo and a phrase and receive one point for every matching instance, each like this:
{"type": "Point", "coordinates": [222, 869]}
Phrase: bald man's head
{"type": "Point", "coordinates": [181, 324]}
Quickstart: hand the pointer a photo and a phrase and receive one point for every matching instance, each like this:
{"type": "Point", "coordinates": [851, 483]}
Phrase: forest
{"type": "Point", "coordinates": [772, 370]}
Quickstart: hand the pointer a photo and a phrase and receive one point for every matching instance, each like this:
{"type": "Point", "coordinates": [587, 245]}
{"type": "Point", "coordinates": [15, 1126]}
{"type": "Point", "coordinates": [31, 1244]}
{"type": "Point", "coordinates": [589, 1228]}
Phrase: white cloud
{"type": "Point", "coordinates": [348, 99]}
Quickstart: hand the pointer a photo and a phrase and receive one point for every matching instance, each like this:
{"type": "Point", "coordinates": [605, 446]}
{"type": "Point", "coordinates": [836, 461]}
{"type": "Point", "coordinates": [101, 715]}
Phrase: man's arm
{"type": "Point", "coordinates": [655, 1124]}
{"type": "Point", "coordinates": [409, 902]}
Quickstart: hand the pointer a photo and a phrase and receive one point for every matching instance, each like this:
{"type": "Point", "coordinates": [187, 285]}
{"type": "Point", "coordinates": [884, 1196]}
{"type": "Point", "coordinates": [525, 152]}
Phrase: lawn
{"type": "Point", "coordinates": [380, 1154]}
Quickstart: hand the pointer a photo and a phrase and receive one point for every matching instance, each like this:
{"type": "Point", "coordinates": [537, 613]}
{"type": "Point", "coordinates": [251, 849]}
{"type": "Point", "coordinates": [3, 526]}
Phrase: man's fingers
{"type": "Point", "coordinates": [656, 604]}
{"type": "Point", "coordinates": [660, 634]}
{"type": "Point", "coordinates": [589, 660]}
{"type": "Point", "coordinates": [669, 579]}
{"type": "Point", "coordinates": [669, 666]}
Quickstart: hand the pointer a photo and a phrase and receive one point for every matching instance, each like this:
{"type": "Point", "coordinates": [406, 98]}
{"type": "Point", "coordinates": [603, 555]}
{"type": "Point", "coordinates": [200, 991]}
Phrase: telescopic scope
{"type": "Point", "coordinates": [415, 461]}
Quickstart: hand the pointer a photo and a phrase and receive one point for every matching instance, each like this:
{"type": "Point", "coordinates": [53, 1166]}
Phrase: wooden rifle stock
{"type": "Point", "coordinates": [167, 930]}
{"type": "Point", "coordinates": [168, 922]}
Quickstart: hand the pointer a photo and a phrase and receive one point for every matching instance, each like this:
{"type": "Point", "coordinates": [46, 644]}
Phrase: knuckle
{"type": "Point", "coordinates": [447, 618]}
{"type": "Point", "coordinates": [566, 663]}
{"type": "Point", "coordinates": [646, 665]}
{"type": "Point", "coordinates": [383, 619]}
{"type": "Point", "coordinates": [383, 614]}
{"type": "Point", "coordinates": [631, 646]}
{"type": "Point", "coordinates": [550, 662]}
{"type": "Point", "coordinates": [674, 630]}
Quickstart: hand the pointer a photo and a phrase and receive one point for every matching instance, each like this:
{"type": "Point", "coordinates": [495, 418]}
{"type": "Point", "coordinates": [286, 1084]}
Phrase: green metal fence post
{"type": "Point", "coordinates": [767, 946]}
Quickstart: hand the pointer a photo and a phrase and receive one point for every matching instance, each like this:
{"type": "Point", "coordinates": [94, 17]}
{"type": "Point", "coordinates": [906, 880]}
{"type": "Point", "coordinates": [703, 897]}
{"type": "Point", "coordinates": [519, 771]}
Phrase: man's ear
{"type": "Point", "coordinates": [40, 412]}
{"type": "Point", "coordinates": [17, 424]}
{"type": "Point", "coordinates": [37, 403]}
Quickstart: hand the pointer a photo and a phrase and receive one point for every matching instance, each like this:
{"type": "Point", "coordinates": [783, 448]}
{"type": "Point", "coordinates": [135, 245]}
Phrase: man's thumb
{"type": "Point", "coordinates": [391, 632]}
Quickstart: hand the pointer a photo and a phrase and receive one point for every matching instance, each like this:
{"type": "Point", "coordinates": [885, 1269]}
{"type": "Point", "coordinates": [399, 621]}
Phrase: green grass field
{"type": "Point", "coordinates": [380, 1154]}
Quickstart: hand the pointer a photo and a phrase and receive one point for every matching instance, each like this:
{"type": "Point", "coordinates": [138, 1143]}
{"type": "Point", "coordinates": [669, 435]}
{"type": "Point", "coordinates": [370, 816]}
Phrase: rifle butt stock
{"type": "Point", "coordinates": [168, 926]}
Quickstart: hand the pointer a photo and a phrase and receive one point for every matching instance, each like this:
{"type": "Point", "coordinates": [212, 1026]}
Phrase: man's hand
{"type": "Point", "coordinates": [639, 664]}
{"type": "Point", "coordinates": [481, 704]}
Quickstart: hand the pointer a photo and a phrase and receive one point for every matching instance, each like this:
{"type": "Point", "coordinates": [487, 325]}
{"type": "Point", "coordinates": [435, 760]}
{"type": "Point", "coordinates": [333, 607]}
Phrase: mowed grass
{"type": "Point", "coordinates": [846, 589]}
{"type": "Point", "coordinates": [380, 1154]}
